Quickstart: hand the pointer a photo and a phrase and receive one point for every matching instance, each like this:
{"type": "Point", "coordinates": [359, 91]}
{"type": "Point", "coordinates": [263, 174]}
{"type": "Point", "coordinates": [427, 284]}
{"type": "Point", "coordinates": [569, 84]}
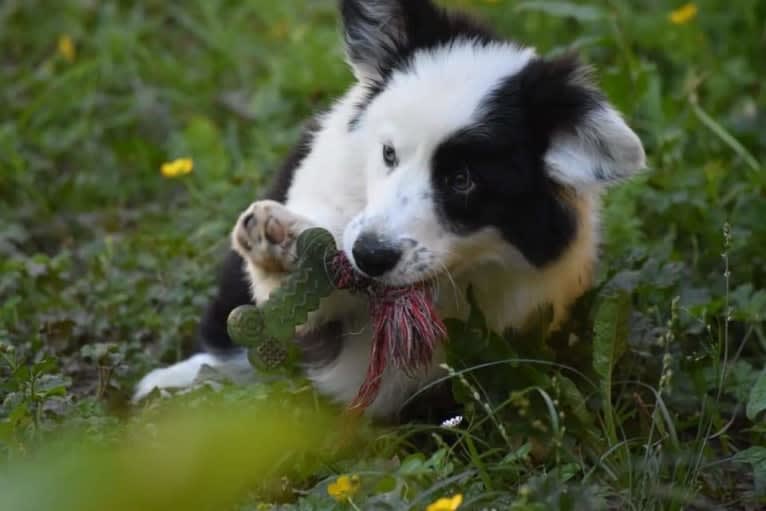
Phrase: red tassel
{"type": "Point", "coordinates": [406, 327]}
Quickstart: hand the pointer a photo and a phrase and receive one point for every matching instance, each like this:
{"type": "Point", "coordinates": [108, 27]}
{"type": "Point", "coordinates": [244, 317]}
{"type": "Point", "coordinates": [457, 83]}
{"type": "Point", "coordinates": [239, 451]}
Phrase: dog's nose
{"type": "Point", "coordinates": [373, 256]}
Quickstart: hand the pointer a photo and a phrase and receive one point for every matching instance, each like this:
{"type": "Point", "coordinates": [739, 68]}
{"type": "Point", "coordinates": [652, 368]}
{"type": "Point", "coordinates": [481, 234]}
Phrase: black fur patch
{"type": "Point", "coordinates": [233, 291]}
{"type": "Point", "coordinates": [388, 45]}
{"type": "Point", "coordinates": [504, 153]}
{"type": "Point", "coordinates": [322, 345]}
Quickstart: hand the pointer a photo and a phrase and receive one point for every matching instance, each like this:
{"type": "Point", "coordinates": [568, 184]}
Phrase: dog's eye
{"type": "Point", "coordinates": [389, 156]}
{"type": "Point", "coordinates": [461, 182]}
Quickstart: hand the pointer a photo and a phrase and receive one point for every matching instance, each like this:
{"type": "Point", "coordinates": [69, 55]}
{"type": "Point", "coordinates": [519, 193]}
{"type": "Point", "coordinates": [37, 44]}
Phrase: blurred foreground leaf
{"type": "Point", "coordinates": [207, 458]}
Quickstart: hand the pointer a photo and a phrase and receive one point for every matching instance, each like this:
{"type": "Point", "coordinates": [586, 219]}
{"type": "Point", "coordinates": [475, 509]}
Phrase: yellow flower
{"type": "Point", "coordinates": [446, 504]}
{"type": "Point", "coordinates": [66, 48]}
{"type": "Point", "coordinates": [177, 168]}
{"type": "Point", "coordinates": [344, 487]}
{"type": "Point", "coordinates": [683, 14]}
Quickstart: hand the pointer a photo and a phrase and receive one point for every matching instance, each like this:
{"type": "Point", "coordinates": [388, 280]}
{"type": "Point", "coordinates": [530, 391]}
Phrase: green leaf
{"type": "Point", "coordinates": [757, 402]}
{"type": "Point", "coordinates": [49, 385]}
{"type": "Point", "coordinates": [755, 457]}
{"type": "Point", "coordinates": [519, 454]}
{"type": "Point", "coordinates": [414, 465]}
{"type": "Point", "coordinates": [564, 10]}
{"type": "Point", "coordinates": [610, 333]}
{"type": "Point", "coordinates": [574, 398]}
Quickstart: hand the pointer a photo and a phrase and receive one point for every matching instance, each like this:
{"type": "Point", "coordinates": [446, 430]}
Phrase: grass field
{"type": "Point", "coordinates": [651, 399]}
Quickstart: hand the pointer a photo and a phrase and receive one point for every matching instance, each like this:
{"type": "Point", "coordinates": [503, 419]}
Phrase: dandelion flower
{"type": "Point", "coordinates": [683, 14]}
{"type": "Point", "coordinates": [446, 504]}
{"type": "Point", "coordinates": [66, 48]}
{"type": "Point", "coordinates": [344, 487]}
{"type": "Point", "coordinates": [177, 168]}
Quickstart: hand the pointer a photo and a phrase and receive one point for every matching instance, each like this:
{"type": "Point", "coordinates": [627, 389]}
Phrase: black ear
{"type": "Point", "coordinates": [380, 34]}
{"type": "Point", "coordinates": [586, 140]}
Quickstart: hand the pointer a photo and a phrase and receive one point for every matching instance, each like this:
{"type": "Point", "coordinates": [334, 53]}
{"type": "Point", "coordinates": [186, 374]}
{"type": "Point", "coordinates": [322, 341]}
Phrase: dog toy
{"type": "Point", "coordinates": [406, 327]}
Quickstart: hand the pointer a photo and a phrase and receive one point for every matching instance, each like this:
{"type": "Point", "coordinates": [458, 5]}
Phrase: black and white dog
{"type": "Point", "coordinates": [457, 157]}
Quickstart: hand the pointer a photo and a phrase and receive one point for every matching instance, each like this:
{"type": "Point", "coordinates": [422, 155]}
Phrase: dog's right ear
{"type": "Point", "coordinates": [379, 33]}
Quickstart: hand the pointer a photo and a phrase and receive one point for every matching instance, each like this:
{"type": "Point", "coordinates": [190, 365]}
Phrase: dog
{"type": "Point", "coordinates": [457, 157]}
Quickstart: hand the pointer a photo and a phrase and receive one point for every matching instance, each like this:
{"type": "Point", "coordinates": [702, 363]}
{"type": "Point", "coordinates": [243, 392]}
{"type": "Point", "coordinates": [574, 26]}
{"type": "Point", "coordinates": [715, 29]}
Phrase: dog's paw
{"type": "Point", "coordinates": [265, 235]}
{"type": "Point", "coordinates": [177, 376]}
{"type": "Point", "coordinates": [187, 373]}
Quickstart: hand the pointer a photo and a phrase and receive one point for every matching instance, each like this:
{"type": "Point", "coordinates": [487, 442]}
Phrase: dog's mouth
{"type": "Point", "coordinates": [346, 276]}
{"type": "Point", "coordinates": [403, 281]}
{"type": "Point", "coordinates": [406, 326]}
{"type": "Point", "coordinates": [423, 276]}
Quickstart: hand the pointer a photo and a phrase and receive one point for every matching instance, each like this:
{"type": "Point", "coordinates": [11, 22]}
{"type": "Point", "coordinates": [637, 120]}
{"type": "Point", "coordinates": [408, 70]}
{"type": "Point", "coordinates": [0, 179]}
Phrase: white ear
{"type": "Point", "coordinates": [601, 149]}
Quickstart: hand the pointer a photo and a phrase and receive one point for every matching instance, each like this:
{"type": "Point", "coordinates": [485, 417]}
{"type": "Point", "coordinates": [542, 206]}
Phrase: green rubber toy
{"type": "Point", "coordinates": [269, 329]}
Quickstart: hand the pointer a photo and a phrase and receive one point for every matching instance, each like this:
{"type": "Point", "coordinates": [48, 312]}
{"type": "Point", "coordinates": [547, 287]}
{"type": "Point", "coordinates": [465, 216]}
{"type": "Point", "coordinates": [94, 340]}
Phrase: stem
{"type": "Point", "coordinates": [476, 459]}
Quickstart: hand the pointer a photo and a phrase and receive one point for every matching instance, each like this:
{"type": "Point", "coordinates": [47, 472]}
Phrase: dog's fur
{"type": "Point", "coordinates": [457, 157]}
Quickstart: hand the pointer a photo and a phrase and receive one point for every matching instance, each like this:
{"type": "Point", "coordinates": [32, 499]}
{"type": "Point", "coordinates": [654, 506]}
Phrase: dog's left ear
{"type": "Point", "coordinates": [588, 142]}
{"type": "Point", "coordinates": [378, 32]}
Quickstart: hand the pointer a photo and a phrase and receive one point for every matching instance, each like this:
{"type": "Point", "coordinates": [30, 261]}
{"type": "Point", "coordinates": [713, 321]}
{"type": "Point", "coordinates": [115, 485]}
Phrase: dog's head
{"type": "Point", "coordinates": [475, 148]}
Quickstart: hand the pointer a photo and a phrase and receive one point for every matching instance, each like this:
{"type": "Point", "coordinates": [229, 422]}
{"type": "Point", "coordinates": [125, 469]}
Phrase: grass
{"type": "Point", "coordinates": [652, 399]}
